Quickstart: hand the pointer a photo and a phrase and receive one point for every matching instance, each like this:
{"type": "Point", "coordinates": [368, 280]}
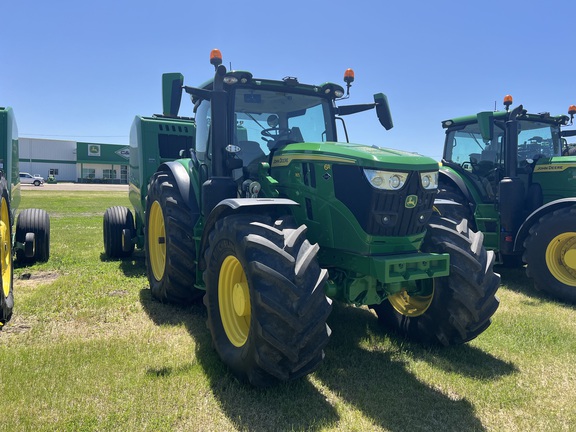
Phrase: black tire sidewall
{"type": "Point", "coordinates": [177, 282]}
{"type": "Point", "coordinates": [449, 191]}
{"type": "Point", "coordinates": [541, 235]}
{"type": "Point", "coordinates": [116, 219]}
{"type": "Point", "coordinates": [156, 286]}
{"type": "Point", "coordinates": [463, 302]}
{"type": "Point", "coordinates": [36, 221]}
{"type": "Point", "coordinates": [239, 359]}
{"type": "Point", "coordinates": [288, 330]}
{"type": "Point", "coordinates": [7, 302]}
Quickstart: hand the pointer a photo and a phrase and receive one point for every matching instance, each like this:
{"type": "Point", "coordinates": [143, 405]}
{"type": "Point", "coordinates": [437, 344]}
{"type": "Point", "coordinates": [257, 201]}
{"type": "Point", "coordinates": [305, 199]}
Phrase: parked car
{"type": "Point", "coordinates": [35, 179]}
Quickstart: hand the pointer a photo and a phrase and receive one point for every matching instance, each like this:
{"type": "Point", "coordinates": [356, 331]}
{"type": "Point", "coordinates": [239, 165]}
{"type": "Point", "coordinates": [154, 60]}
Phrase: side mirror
{"type": "Point", "coordinates": [486, 125]}
{"type": "Point", "coordinates": [383, 111]}
{"type": "Point", "coordinates": [171, 93]}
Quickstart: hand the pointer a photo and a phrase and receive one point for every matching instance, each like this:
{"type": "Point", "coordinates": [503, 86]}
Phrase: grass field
{"type": "Point", "coordinates": [89, 350]}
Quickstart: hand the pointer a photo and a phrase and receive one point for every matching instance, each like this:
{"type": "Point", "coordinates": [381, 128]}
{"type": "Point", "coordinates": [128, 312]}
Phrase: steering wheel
{"type": "Point", "coordinates": [275, 132]}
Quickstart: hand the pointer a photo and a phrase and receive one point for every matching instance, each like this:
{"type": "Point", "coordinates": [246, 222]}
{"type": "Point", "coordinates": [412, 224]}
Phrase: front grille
{"type": "Point", "coordinates": [380, 212]}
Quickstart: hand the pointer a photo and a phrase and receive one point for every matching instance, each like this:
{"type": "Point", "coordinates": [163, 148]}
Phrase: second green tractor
{"type": "Point", "coordinates": [512, 175]}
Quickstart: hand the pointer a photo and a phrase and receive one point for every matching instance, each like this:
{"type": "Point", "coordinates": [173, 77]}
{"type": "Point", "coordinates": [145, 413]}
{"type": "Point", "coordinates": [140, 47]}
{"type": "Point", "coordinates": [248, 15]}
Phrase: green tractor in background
{"type": "Point", "coordinates": [254, 206]}
{"type": "Point", "coordinates": [31, 241]}
{"type": "Point", "coordinates": [512, 175]}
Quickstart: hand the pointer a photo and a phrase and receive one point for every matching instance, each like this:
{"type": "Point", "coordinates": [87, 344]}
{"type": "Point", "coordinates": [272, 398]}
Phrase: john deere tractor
{"type": "Point", "coordinates": [511, 175]}
{"type": "Point", "coordinates": [255, 206]}
{"type": "Point", "coordinates": [31, 241]}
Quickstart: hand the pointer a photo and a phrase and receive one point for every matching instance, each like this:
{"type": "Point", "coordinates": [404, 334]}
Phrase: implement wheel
{"type": "Point", "coordinates": [550, 252]}
{"type": "Point", "coordinates": [6, 280]}
{"type": "Point", "coordinates": [449, 310]}
{"type": "Point", "coordinates": [265, 298]}
{"type": "Point", "coordinates": [116, 220]}
{"type": "Point", "coordinates": [37, 222]}
{"type": "Point", "coordinates": [169, 242]}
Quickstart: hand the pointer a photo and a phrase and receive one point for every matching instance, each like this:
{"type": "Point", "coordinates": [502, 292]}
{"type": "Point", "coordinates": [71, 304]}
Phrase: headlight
{"type": "Point", "coordinates": [429, 180]}
{"type": "Point", "coordinates": [387, 180]}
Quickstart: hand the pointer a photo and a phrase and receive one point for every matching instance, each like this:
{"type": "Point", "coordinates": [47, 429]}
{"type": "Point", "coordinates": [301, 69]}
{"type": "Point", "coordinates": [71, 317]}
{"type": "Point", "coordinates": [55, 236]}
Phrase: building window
{"type": "Point", "coordinates": [124, 173]}
{"type": "Point", "coordinates": [53, 171]}
{"type": "Point", "coordinates": [109, 174]}
{"type": "Point", "coordinates": [88, 173]}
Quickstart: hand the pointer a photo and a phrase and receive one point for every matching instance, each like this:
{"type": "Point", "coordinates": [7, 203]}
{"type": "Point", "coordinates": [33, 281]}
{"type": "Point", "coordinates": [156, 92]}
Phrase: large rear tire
{"type": "Point", "coordinates": [34, 221]}
{"type": "Point", "coordinates": [116, 220]}
{"type": "Point", "coordinates": [265, 298]}
{"type": "Point", "coordinates": [458, 307]}
{"type": "Point", "coordinates": [550, 252]}
{"type": "Point", "coordinates": [6, 264]}
{"type": "Point", "coordinates": [169, 243]}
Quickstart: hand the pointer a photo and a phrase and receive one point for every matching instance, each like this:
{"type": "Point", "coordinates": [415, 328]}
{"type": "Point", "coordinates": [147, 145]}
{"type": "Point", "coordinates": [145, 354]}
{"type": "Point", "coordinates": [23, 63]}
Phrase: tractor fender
{"type": "Point", "coordinates": [536, 215]}
{"type": "Point", "coordinates": [458, 182]}
{"type": "Point", "coordinates": [182, 178]}
{"type": "Point", "coordinates": [245, 205]}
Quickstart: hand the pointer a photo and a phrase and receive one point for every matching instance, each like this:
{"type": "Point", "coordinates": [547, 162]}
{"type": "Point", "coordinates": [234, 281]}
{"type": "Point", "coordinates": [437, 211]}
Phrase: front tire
{"type": "Point", "coordinates": [458, 307]}
{"type": "Point", "coordinates": [169, 243]}
{"type": "Point", "coordinates": [34, 221]}
{"type": "Point", "coordinates": [7, 267]}
{"type": "Point", "coordinates": [265, 299]}
{"type": "Point", "coordinates": [550, 254]}
{"type": "Point", "coordinates": [460, 210]}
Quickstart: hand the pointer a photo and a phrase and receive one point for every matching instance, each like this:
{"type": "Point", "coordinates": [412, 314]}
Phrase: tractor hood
{"type": "Point", "coordinates": [354, 154]}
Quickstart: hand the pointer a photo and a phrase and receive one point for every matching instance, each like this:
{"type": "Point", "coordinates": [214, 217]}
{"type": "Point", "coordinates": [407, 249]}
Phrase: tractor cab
{"type": "Point", "coordinates": [242, 121]}
{"type": "Point", "coordinates": [262, 119]}
{"type": "Point", "coordinates": [483, 152]}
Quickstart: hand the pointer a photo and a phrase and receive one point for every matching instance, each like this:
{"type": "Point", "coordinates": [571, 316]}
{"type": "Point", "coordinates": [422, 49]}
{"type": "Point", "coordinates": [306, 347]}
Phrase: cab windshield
{"type": "Point", "coordinates": [272, 118]}
{"type": "Point", "coordinates": [535, 140]}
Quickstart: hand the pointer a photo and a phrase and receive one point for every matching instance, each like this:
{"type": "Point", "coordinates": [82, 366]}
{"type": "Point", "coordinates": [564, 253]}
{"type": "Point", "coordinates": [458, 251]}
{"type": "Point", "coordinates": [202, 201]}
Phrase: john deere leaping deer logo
{"type": "Point", "coordinates": [94, 150]}
{"type": "Point", "coordinates": [411, 201]}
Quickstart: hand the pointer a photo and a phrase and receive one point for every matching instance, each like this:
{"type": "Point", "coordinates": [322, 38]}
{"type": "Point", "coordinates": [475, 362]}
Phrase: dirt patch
{"type": "Point", "coordinates": [15, 326]}
{"type": "Point", "coordinates": [36, 278]}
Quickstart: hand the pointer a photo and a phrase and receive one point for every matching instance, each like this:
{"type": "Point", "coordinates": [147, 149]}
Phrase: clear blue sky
{"type": "Point", "coordinates": [79, 70]}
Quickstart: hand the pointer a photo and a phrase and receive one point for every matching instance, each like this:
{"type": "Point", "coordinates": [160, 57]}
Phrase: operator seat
{"type": "Point", "coordinates": [249, 151]}
{"type": "Point", "coordinates": [251, 154]}
{"type": "Point", "coordinates": [487, 162]}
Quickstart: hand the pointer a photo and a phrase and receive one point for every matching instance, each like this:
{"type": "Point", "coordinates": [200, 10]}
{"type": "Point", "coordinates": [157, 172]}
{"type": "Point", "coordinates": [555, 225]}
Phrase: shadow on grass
{"type": "Point", "coordinates": [378, 382]}
{"type": "Point", "coordinates": [292, 406]}
{"type": "Point", "coordinates": [375, 382]}
{"type": "Point", "coordinates": [515, 279]}
{"type": "Point", "coordinates": [132, 266]}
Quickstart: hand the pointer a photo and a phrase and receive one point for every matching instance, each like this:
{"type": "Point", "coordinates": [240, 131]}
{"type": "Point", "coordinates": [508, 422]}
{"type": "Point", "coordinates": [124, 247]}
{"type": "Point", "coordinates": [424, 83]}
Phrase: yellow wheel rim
{"type": "Point", "coordinates": [234, 301]}
{"type": "Point", "coordinates": [561, 258]}
{"type": "Point", "coordinates": [157, 241]}
{"type": "Point", "coordinates": [411, 305]}
{"type": "Point", "coordinates": [6, 246]}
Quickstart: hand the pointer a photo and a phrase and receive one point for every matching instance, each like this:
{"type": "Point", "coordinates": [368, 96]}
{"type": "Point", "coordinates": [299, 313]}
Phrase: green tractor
{"type": "Point", "coordinates": [31, 241]}
{"type": "Point", "coordinates": [512, 176]}
{"type": "Point", "coordinates": [253, 205]}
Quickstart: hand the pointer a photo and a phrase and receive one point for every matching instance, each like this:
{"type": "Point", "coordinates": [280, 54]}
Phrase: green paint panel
{"type": "Point", "coordinates": [9, 155]}
{"type": "Point", "coordinates": [556, 176]}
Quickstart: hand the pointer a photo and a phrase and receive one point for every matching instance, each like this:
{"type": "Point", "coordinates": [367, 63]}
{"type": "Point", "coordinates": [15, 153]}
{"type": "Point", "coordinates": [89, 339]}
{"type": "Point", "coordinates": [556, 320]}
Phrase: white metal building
{"type": "Point", "coordinates": [74, 161]}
